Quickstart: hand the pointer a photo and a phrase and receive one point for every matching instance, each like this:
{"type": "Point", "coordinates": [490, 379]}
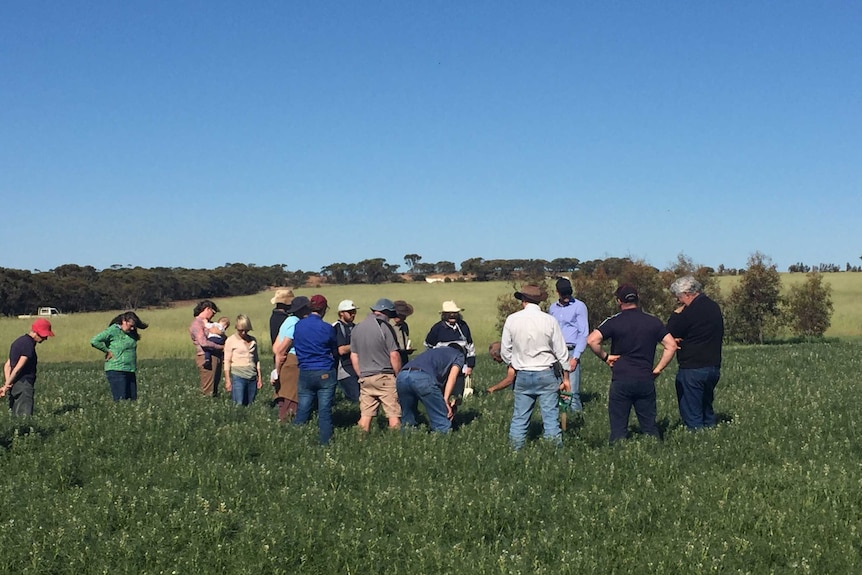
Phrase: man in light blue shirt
{"type": "Point", "coordinates": [571, 313]}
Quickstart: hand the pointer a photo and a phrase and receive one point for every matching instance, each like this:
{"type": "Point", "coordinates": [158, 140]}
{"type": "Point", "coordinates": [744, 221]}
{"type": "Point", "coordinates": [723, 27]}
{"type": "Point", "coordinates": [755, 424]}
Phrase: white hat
{"type": "Point", "coordinates": [346, 305]}
{"type": "Point", "coordinates": [451, 306]}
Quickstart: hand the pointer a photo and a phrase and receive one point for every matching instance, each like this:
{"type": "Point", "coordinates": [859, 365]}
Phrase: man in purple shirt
{"type": "Point", "coordinates": [571, 313]}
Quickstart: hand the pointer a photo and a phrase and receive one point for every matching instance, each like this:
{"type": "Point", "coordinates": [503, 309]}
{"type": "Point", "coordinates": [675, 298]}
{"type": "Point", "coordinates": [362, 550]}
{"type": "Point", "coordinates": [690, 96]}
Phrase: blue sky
{"type": "Point", "coordinates": [194, 134]}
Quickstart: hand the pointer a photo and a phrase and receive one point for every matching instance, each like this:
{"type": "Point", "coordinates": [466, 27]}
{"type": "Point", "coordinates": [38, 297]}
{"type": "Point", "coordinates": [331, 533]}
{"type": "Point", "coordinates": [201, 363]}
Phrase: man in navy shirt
{"type": "Point", "coordinates": [634, 336]}
{"type": "Point", "coordinates": [19, 370]}
{"type": "Point", "coordinates": [316, 350]}
{"type": "Point", "coordinates": [430, 378]}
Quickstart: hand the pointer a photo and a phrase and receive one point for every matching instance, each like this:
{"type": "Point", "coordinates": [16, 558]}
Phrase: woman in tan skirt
{"type": "Point", "coordinates": [286, 386]}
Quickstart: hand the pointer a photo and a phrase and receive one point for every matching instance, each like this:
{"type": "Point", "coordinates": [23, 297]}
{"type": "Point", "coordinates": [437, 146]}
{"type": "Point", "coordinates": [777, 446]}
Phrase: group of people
{"type": "Point", "coordinates": [542, 362]}
{"type": "Point", "coordinates": [371, 363]}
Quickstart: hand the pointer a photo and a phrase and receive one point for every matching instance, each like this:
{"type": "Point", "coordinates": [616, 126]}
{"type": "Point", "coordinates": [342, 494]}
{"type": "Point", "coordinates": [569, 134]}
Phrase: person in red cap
{"type": "Point", "coordinates": [19, 370]}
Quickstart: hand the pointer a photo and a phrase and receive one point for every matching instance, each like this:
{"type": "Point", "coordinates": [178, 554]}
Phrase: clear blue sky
{"type": "Point", "coordinates": [193, 134]}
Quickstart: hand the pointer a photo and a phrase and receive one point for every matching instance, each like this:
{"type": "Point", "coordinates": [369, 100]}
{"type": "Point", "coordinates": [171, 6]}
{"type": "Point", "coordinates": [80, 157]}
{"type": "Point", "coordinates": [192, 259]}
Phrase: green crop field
{"type": "Point", "coordinates": [178, 483]}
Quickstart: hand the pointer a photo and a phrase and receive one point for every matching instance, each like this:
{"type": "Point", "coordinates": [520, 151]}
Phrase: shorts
{"type": "Point", "coordinates": [375, 390]}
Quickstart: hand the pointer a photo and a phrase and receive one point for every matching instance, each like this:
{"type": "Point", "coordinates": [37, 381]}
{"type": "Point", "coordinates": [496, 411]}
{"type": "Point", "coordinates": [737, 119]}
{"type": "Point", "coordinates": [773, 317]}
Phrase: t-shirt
{"type": "Point", "coordinates": [634, 336]}
{"type": "Point", "coordinates": [373, 340]}
{"type": "Point", "coordinates": [24, 346]}
{"type": "Point", "coordinates": [314, 342]}
{"type": "Point", "coordinates": [286, 330]}
{"type": "Point", "coordinates": [437, 362]}
{"type": "Point", "coordinates": [700, 325]}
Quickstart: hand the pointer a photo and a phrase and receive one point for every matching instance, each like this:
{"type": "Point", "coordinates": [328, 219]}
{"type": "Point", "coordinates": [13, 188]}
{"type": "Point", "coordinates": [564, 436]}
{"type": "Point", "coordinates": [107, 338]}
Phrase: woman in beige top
{"type": "Point", "coordinates": [242, 363]}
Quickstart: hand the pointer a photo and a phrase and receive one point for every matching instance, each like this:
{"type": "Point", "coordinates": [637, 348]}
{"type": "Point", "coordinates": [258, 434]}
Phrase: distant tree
{"type": "Point", "coordinates": [411, 260]}
{"type": "Point", "coordinates": [810, 306]}
{"type": "Point", "coordinates": [753, 309]}
{"type": "Point", "coordinates": [597, 292]}
{"type": "Point", "coordinates": [445, 267]}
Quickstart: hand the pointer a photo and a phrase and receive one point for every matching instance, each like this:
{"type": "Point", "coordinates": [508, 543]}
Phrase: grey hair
{"type": "Point", "coordinates": [242, 322]}
{"type": "Point", "coordinates": [685, 284]}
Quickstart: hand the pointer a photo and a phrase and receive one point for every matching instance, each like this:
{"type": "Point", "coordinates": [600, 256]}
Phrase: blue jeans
{"type": "Point", "coordinates": [243, 390]}
{"type": "Point", "coordinates": [416, 386]}
{"type": "Point", "coordinates": [695, 389]}
{"type": "Point", "coordinates": [575, 381]}
{"type": "Point", "coordinates": [350, 388]}
{"type": "Point", "coordinates": [622, 397]}
{"type": "Point", "coordinates": [124, 384]}
{"type": "Point", "coordinates": [530, 387]}
{"type": "Point", "coordinates": [320, 385]}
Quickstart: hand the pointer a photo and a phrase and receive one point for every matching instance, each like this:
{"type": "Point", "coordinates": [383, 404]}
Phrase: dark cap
{"type": "Point", "coordinates": [402, 308]}
{"type": "Point", "coordinates": [531, 293]}
{"type": "Point", "coordinates": [564, 286]}
{"type": "Point", "coordinates": [318, 302]}
{"type": "Point", "coordinates": [627, 293]}
{"type": "Point", "coordinates": [298, 304]}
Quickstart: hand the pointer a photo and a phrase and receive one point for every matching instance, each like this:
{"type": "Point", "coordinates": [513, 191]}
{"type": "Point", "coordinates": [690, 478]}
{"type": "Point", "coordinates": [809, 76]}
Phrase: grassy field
{"type": "Point", "coordinates": [168, 337]}
{"type": "Point", "coordinates": [177, 483]}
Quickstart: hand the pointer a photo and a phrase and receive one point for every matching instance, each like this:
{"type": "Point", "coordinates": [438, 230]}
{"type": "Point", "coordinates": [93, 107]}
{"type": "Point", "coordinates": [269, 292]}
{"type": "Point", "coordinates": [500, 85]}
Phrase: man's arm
{"type": "Point", "coordinates": [505, 382]}
{"type": "Point", "coordinates": [395, 360]}
{"type": "Point", "coordinates": [454, 371]}
{"type": "Point", "coordinates": [280, 349]}
{"type": "Point", "coordinates": [594, 342]}
{"type": "Point", "coordinates": [12, 373]}
{"type": "Point", "coordinates": [670, 348]}
{"type": "Point", "coordinates": [582, 325]}
{"type": "Point", "coordinates": [354, 361]}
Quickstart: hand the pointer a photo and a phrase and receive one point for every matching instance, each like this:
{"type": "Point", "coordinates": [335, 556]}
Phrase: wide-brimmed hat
{"type": "Point", "coordinates": [346, 305]}
{"type": "Point", "coordinates": [450, 307]}
{"type": "Point", "coordinates": [402, 308]}
{"type": "Point", "coordinates": [531, 293]}
{"type": "Point", "coordinates": [627, 293]}
{"type": "Point", "coordinates": [299, 303]}
{"type": "Point", "coordinates": [284, 296]}
{"type": "Point", "coordinates": [42, 327]}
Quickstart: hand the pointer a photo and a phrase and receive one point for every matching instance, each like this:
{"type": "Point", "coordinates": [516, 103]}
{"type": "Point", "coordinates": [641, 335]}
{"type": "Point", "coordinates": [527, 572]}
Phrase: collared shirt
{"type": "Point", "coordinates": [532, 340]}
{"type": "Point", "coordinates": [314, 341]}
{"type": "Point", "coordinates": [572, 317]}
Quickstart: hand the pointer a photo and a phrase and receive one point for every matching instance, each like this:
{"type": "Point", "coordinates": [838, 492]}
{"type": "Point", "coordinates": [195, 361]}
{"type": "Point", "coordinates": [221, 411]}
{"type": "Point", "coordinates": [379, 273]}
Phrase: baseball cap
{"type": "Point", "coordinates": [298, 304]}
{"type": "Point", "coordinates": [346, 305]}
{"type": "Point", "coordinates": [42, 327]}
{"type": "Point", "coordinates": [627, 293]}
{"type": "Point", "coordinates": [318, 302]}
{"type": "Point", "coordinates": [384, 305]}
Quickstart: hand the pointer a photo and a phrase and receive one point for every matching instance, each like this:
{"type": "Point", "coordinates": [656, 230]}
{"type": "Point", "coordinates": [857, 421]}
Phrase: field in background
{"type": "Point", "coordinates": [168, 337]}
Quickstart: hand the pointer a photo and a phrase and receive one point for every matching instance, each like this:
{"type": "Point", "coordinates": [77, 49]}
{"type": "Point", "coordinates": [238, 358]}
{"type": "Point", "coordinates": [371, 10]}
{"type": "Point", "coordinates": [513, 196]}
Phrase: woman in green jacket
{"type": "Point", "coordinates": [120, 345]}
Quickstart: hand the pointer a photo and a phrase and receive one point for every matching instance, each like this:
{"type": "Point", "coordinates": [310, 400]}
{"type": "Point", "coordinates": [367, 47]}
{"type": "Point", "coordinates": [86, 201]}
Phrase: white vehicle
{"type": "Point", "coordinates": [43, 312]}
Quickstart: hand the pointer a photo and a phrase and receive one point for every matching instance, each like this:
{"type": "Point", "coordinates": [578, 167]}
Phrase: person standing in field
{"type": "Point", "coordinates": [19, 371]}
{"type": "Point", "coordinates": [634, 335]}
{"type": "Point", "coordinates": [453, 329]}
{"type": "Point", "coordinates": [697, 325]}
{"type": "Point", "coordinates": [348, 380]}
{"type": "Point", "coordinates": [375, 357]}
{"type": "Point", "coordinates": [571, 313]}
{"type": "Point", "coordinates": [316, 350]}
{"type": "Point", "coordinates": [282, 300]}
{"type": "Point", "coordinates": [403, 310]}
{"type": "Point", "coordinates": [209, 376]}
{"type": "Point", "coordinates": [430, 379]}
{"type": "Point", "coordinates": [286, 386]}
{"type": "Point", "coordinates": [242, 376]}
{"type": "Point", "coordinates": [532, 344]}
{"type": "Point", "coordinates": [119, 343]}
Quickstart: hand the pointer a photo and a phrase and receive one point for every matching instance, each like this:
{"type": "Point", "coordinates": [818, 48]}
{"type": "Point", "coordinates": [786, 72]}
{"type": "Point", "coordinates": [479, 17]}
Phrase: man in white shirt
{"type": "Point", "coordinates": [532, 344]}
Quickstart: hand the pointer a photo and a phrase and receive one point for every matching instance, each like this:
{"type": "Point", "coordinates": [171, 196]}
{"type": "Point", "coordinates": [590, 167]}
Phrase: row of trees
{"type": "Point", "coordinates": [754, 311]}
{"type": "Point", "coordinates": [74, 288]}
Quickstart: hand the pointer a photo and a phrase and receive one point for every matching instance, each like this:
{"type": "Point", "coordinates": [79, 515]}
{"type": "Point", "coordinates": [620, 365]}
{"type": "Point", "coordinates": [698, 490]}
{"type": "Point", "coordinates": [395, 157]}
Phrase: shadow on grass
{"type": "Point", "coordinates": [23, 430]}
{"type": "Point", "coordinates": [66, 408]}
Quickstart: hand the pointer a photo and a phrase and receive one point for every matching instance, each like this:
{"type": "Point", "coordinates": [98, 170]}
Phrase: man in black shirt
{"type": "Point", "coordinates": [698, 327]}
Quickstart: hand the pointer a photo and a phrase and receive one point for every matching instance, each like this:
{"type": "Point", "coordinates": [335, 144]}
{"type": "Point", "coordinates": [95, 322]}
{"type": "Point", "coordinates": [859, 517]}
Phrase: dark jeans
{"type": "Point", "coordinates": [695, 390]}
{"type": "Point", "coordinates": [320, 385]}
{"type": "Point", "coordinates": [416, 386]}
{"type": "Point", "coordinates": [21, 397]}
{"type": "Point", "coordinates": [350, 388]}
{"type": "Point", "coordinates": [124, 384]}
{"type": "Point", "coordinates": [627, 394]}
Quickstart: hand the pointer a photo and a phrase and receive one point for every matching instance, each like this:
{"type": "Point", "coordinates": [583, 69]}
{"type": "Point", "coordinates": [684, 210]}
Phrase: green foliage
{"type": "Point", "coordinates": [753, 311]}
{"type": "Point", "coordinates": [179, 483]}
{"type": "Point", "coordinates": [810, 306]}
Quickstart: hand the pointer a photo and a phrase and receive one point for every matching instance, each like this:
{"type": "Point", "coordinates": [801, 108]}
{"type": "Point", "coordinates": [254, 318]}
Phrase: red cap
{"type": "Point", "coordinates": [318, 302]}
{"type": "Point", "coordinates": [42, 327]}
